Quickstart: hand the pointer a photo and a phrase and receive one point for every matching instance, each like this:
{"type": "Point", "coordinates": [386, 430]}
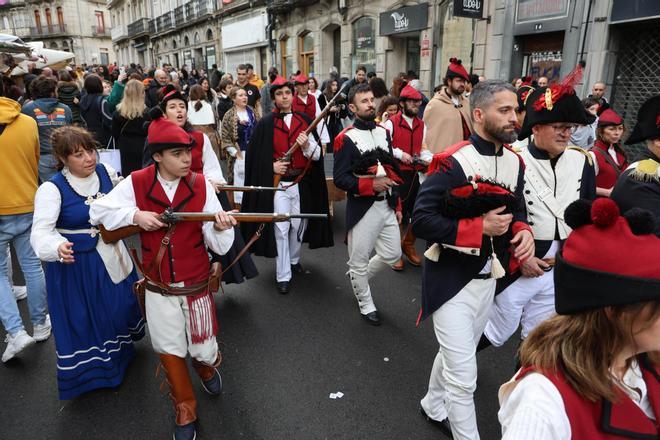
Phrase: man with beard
{"type": "Point", "coordinates": [306, 190]}
{"type": "Point", "coordinates": [471, 206]}
{"type": "Point", "coordinates": [408, 132]}
{"type": "Point", "coordinates": [555, 176]}
{"type": "Point", "coordinates": [639, 185]}
{"type": "Point", "coordinates": [447, 115]}
{"type": "Point", "coordinates": [365, 168]}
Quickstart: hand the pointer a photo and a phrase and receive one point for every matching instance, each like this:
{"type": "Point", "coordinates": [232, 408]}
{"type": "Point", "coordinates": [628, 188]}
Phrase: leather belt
{"type": "Point", "coordinates": [482, 276]}
{"type": "Point", "coordinates": [195, 289]}
{"type": "Point", "coordinates": [291, 175]}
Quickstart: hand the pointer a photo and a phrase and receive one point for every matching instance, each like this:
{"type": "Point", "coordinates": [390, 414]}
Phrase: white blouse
{"type": "Point", "coordinates": [532, 408]}
{"type": "Point", "coordinates": [204, 116]}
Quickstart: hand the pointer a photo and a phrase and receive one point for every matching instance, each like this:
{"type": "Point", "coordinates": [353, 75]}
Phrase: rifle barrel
{"type": "Point", "coordinates": [192, 215]}
{"type": "Point", "coordinates": [249, 188]}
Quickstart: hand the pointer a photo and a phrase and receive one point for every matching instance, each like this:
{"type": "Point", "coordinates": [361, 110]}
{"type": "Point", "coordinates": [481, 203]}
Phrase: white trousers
{"type": "Point", "coordinates": [378, 230]}
{"type": "Point", "coordinates": [528, 301]}
{"type": "Point", "coordinates": [169, 328]}
{"type": "Point", "coordinates": [288, 235]}
{"type": "Point", "coordinates": [239, 178]}
{"type": "Point", "coordinates": [458, 326]}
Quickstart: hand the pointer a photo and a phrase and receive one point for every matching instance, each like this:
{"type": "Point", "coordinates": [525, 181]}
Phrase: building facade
{"type": "Point", "coordinates": [78, 26]}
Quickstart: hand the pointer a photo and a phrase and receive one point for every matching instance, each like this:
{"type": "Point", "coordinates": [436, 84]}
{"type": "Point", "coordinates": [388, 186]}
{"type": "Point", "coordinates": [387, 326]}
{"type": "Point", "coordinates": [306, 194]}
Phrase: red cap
{"type": "Point", "coordinates": [164, 134]}
{"type": "Point", "coordinates": [300, 79]}
{"type": "Point", "coordinates": [609, 117]}
{"type": "Point", "coordinates": [409, 92]}
{"type": "Point", "coordinates": [456, 69]}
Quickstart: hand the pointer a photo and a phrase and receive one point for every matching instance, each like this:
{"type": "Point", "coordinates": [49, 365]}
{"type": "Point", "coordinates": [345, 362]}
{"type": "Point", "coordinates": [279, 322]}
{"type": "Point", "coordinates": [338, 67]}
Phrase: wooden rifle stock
{"type": "Point", "coordinates": [170, 217]}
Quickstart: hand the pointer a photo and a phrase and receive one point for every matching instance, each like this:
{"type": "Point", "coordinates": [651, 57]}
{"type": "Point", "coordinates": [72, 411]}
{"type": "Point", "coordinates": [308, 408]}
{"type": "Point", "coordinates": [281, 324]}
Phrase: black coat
{"type": "Point", "coordinates": [151, 94]}
{"type": "Point", "coordinates": [130, 136]}
{"type": "Point", "coordinates": [312, 187]}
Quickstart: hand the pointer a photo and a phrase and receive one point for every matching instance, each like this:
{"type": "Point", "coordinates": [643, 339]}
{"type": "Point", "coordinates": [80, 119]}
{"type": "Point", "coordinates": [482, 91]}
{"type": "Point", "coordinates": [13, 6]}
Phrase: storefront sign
{"type": "Point", "coordinates": [406, 19]}
{"type": "Point", "coordinates": [426, 45]}
{"type": "Point", "coordinates": [531, 10]}
{"type": "Point", "coordinates": [469, 8]}
{"type": "Point", "coordinates": [629, 10]}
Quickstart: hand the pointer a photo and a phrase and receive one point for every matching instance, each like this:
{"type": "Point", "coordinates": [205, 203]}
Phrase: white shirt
{"type": "Point", "coordinates": [118, 208]}
{"type": "Point", "coordinates": [321, 129]}
{"type": "Point", "coordinates": [532, 408]}
{"type": "Point", "coordinates": [211, 165]}
{"type": "Point", "coordinates": [204, 116]}
{"type": "Point", "coordinates": [45, 239]}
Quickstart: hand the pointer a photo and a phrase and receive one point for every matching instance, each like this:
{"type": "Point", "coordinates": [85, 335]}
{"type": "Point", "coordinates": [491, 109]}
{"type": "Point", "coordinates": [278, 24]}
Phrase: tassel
{"type": "Point", "coordinates": [380, 171]}
{"type": "Point", "coordinates": [496, 269]}
{"type": "Point", "coordinates": [433, 252]}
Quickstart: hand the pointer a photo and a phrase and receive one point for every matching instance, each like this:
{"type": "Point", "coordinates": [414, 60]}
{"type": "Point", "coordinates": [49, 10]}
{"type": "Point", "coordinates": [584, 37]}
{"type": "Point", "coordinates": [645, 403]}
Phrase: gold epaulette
{"type": "Point", "coordinates": [646, 170]}
{"type": "Point", "coordinates": [583, 151]}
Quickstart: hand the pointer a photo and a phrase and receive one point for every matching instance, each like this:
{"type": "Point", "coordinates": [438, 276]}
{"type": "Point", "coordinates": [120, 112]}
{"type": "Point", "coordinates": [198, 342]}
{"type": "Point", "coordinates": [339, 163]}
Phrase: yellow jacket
{"type": "Point", "coordinates": [19, 169]}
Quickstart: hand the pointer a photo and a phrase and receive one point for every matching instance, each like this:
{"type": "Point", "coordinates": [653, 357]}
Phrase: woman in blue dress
{"type": "Point", "coordinates": [94, 313]}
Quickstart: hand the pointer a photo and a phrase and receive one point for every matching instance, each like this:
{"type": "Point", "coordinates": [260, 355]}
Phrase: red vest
{"type": "Point", "coordinates": [308, 108]}
{"type": "Point", "coordinates": [607, 173]}
{"type": "Point", "coordinates": [604, 420]}
{"type": "Point", "coordinates": [284, 138]}
{"type": "Point", "coordinates": [197, 165]}
{"type": "Point", "coordinates": [407, 139]}
{"type": "Point", "coordinates": [186, 258]}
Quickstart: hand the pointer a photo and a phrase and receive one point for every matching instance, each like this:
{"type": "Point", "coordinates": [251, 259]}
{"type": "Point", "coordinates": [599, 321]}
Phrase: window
{"type": "Point", "coordinates": [60, 18]}
{"type": "Point", "coordinates": [364, 44]}
{"type": "Point", "coordinates": [37, 20]}
{"type": "Point", "coordinates": [306, 53]}
{"type": "Point", "coordinates": [100, 22]}
{"type": "Point", "coordinates": [49, 20]}
{"type": "Point", "coordinates": [286, 56]}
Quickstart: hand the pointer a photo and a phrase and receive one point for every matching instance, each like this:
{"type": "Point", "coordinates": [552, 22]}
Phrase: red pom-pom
{"type": "Point", "coordinates": [453, 60]}
{"type": "Point", "coordinates": [604, 212]}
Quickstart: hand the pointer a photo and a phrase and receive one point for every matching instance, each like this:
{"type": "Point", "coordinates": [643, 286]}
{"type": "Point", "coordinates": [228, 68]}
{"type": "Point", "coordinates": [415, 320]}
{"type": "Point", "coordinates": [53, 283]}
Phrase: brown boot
{"type": "Point", "coordinates": [408, 248]}
{"type": "Point", "coordinates": [181, 391]}
{"type": "Point", "coordinates": [398, 266]}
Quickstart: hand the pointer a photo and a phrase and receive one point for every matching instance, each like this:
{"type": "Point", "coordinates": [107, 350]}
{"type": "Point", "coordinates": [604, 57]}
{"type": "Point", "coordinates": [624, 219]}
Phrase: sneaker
{"type": "Point", "coordinates": [16, 344]}
{"type": "Point", "coordinates": [213, 386]}
{"type": "Point", "coordinates": [185, 432]}
{"type": "Point", "coordinates": [41, 332]}
{"type": "Point", "coordinates": [20, 292]}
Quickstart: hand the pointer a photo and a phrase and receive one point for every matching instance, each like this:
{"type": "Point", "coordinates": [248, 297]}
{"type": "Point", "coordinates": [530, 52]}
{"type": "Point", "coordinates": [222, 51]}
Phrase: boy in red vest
{"type": "Point", "coordinates": [303, 177]}
{"type": "Point", "coordinates": [304, 102]}
{"type": "Point", "coordinates": [408, 133]}
{"type": "Point", "coordinates": [179, 304]}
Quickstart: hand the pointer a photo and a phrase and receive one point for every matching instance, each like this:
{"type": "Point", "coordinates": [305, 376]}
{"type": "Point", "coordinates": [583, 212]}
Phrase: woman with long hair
{"type": "Point", "coordinates": [68, 93]}
{"type": "Point", "coordinates": [128, 128]}
{"type": "Point", "coordinates": [592, 372]}
{"type": "Point", "coordinates": [609, 158]}
{"type": "Point", "coordinates": [237, 127]}
{"type": "Point", "coordinates": [314, 87]}
{"type": "Point", "coordinates": [202, 117]}
{"type": "Point", "coordinates": [210, 95]}
{"type": "Point", "coordinates": [94, 313]}
{"type": "Point", "coordinates": [379, 90]}
{"type": "Point", "coordinates": [224, 101]}
{"type": "Point", "coordinates": [388, 107]}
{"type": "Point", "coordinates": [175, 108]}
{"type": "Point", "coordinates": [95, 110]}
{"type": "Point", "coordinates": [337, 112]}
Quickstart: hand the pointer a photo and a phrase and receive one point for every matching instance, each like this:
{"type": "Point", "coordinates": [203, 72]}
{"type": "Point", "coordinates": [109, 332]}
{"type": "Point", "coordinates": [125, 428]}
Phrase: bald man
{"type": "Point", "coordinates": [598, 93]}
{"type": "Point", "coordinates": [151, 94]}
{"type": "Point", "coordinates": [542, 81]}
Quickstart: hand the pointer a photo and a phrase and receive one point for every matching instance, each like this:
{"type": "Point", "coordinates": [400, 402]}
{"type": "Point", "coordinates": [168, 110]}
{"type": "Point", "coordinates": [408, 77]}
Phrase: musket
{"type": "Point", "coordinates": [312, 127]}
{"type": "Point", "coordinates": [419, 164]}
{"type": "Point", "coordinates": [248, 188]}
{"type": "Point", "coordinates": [170, 217]}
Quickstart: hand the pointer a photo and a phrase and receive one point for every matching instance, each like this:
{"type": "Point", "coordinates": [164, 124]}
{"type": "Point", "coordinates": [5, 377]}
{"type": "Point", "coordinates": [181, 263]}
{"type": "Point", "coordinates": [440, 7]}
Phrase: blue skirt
{"type": "Point", "coordinates": [95, 323]}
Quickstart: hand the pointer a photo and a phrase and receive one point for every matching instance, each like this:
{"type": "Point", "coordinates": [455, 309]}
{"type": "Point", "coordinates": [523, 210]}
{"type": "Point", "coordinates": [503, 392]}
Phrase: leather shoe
{"type": "Point", "coordinates": [213, 386]}
{"type": "Point", "coordinates": [297, 269]}
{"type": "Point", "coordinates": [185, 432]}
{"type": "Point", "coordinates": [443, 425]}
{"type": "Point", "coordinates": [398, 266]}
{"type": "Point", "coordinates": [372, 318]}
{"type": "Point", "coordinates": [283, 287]}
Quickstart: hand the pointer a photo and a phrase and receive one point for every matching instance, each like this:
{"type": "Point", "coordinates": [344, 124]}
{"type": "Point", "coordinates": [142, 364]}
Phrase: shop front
{"type": "Point", "coordinates": [404, 30]}
{"type": "Point", "coordinates": [239, 46]}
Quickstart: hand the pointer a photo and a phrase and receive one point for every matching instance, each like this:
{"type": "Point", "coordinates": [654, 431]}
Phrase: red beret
{"type": "Point", "coordinates": [609, 117]}
{"type": "Point", "coordinates": [409, 92]}
{"type": "Point", "coordinates": [164, 134]}
{"type": "Point", "coordinates": [456, 69]}
{"type": "Point", "coordinates": [300, 79]}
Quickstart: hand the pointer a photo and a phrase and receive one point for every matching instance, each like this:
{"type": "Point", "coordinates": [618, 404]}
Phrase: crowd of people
{"type": "Point", "coordinates": [532, 211]}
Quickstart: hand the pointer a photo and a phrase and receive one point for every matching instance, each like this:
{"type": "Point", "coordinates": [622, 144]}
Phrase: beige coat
{"type": "Point", "coordinates": [443, 121]}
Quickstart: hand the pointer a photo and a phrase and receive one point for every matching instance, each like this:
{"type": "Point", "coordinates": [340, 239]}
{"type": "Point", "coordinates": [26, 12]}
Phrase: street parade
{"type": "Point", "coordinates": [411, 221]}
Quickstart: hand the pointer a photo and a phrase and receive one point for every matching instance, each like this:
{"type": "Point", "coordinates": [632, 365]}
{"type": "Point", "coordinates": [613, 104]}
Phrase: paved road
{"type": "Point", "coordinates": [283, 356]}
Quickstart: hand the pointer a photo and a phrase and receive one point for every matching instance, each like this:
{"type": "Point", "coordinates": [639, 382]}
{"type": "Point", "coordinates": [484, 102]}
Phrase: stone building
{"type": "Point", "coordinates": [78, 26]}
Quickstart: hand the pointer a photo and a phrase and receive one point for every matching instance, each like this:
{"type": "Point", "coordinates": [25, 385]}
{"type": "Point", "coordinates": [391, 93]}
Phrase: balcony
{"type": "Point", "coordinates": [99, 31]}
{"type": "Point", "coordinates": [164, 22]}
{"type": "Point", "coordinates": [138, 28]}
{"type": "Point", "coordinates": [48, 31]}
{"type": "Point", "coordinates": [11, 4]}
{"type": "Point", "coordinates": [179, 15]}
{"type": "Point", "coordinates": [119, 33]}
